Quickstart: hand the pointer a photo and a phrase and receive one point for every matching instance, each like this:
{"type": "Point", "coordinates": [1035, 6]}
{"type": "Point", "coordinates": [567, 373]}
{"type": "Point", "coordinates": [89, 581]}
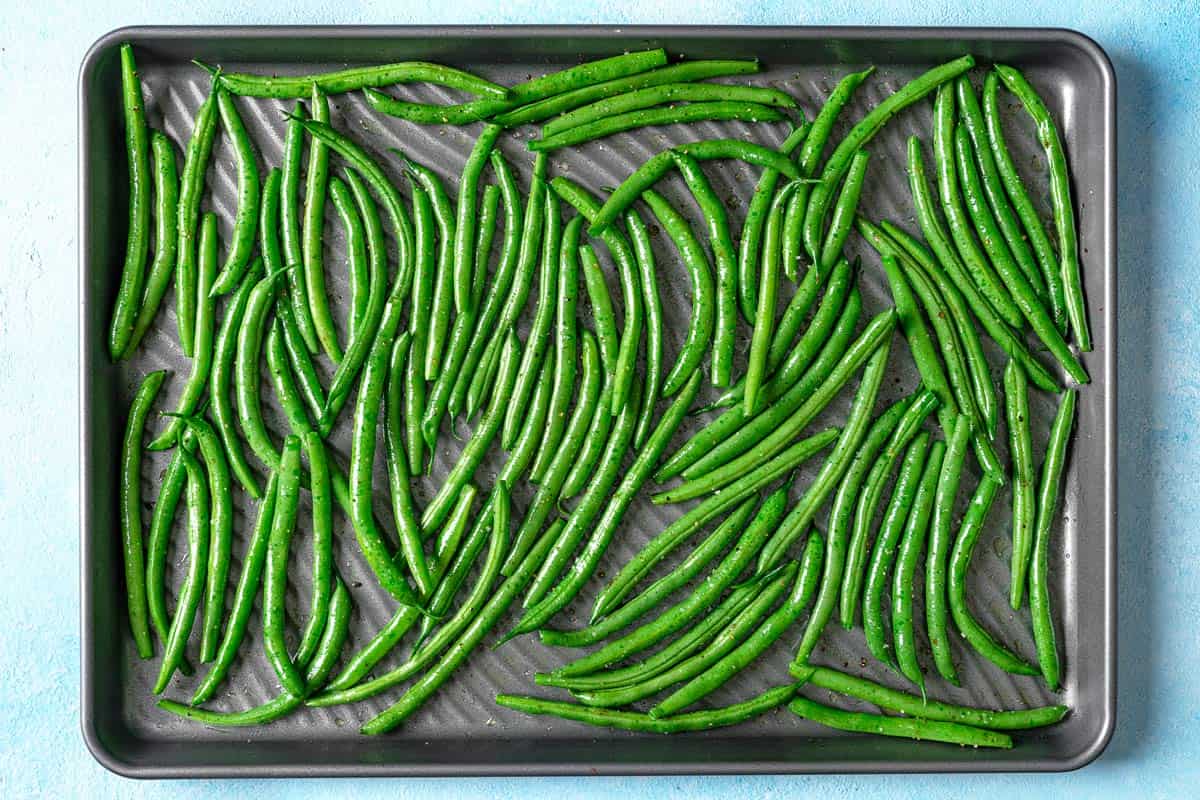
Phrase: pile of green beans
{"type": "Point", "coordinates": [575, 400]}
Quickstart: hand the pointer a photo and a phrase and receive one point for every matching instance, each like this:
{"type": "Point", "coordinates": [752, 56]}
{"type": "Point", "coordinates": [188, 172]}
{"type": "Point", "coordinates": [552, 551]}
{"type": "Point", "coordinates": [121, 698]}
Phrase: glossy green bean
{"type": "Point", "coordinates": [1022, 292]}
{"type": "Point", "coordinates": [863, 132]}
{"type": "Point", "coordinates": [764, 316]}
{"type": "Point", "coordinates": [451, 535]}
{"type": "Point", "coordinates": [1039, 568]}
{"type": "Point", "coordinates": [464, 240]}
{"type": "Point", "coordinates": [131, 508]}
{"type": "Point", "coordinates": [587, 74]}
{"type": "Point", "coordinates": [733, 662]}
{"type": "Point", "coordinates": [842, 218]}
{"type": "Point", "coordinates": [191, 188]}
{"type": "Point", "coordinates": [400, 372]}
{"type": "Point", "coordinates": [249, 192]}
{"type": "Point", "coordinates": [724, 262]}
{"type": "Point", "coordinates": [312, 224]}
{"type": "Point", "coordinates": [651, 117]}
{"type": "Point", "coordinates": [648, 280]}
{"type": "Point", "coordinates": [137, 237]}
{"type": "Point", "coordinates": [158, 540]}
{"type": "Point", "coordinates": [1060, 200]}
{"type": "Point", "coordinates": [960, 562]}
{"type": "Point", "coordinates": [283, 528]}
{"type": "Point", "coordinates": [940, 537]}
{"type": "Point", "coordinates": [355, 78]}
{"type": "Point", "coordinates": [749, 246]}
{"type": "Point", "coordinates": [248, 584]}
{"type": "Point", "coordinates": [202, 349]}
{"type": "Point", "coordinates": [642, 723]}
{"type": "Point", "coordinates": [291, 233]}
{"type": "Point", "coordinates": [920, 729]}
{"type": "Point", "coordinates": [322, 559]}
{"type": "Point", "coordinates": [489, 207]}
{"type": "Point", "coordinates": [284, 382]}
{"type": "Point", "coordinates": [887, 542]}
{"type": "Point", "coordinates": [356, 252]}
{"type": "Point", "coordinates": [1020, 448]}
{"type": "Point", "coordinates": [704, 300]}
{"type": "Point", "coordinates": [166, 202]}
{"type": "Point", "coordinates": [912, 543]}
{"type": "Point", "coordinates": [683, 528]}
{"type": "Point", "coordinates": [193, 587]}
{"type": "Point", "coordinates": [225, 349]}
{"type": "Point", "coordinates": [433, 288]}
{"type": "Point", "coordinates": [1031, 221]}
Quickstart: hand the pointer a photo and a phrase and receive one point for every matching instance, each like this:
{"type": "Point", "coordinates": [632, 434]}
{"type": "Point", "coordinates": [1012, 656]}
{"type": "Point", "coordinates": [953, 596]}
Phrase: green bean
{"type": "Point", "coordinates": [916, 529]}
{"type": "Point", "coordinates": [842, 219]}
{"type": "Point", "coordinates": [249, 191]}
{"type": "Point", "coordinates": [425, 655]}
{"type": "Point", "coordinates": [1039, 569]}
{"type": "Point", "coordinates": [724, 262]}
{"type": "Point", "coordinates": [433, 292]}
{"type": "Point", "coordinates": [556, 104]}
{"type": "Point", "coordinates": [645, 176]}
{"type": "Point", "coordinates": [137, 238]}
{"type": "Point", "coordinates": [831, 472]}
{"type": "Point", "coordinates": [316, 180]}
{"type": "Point", "coordinates": [291, 231]}
{"type": "Point", "coordinates": [284, 383]}
{"type": "Point", "coordinates": [704, 302]}
{"type": "Point", "coordinates": [764, 317]}
{"type": "Point", "coordinates": [355, 78]}
{"type": "Point", "coordinates": [474, 451]}
{"type": "Point", "coordinates": [951, 271]}
{"type": "Point", "coordinates": [763, 637]}
{"type": "Point", "coordinates": [842, 510]}
{"type": "Point", "coordinates": [920, 729]}
{"type": "Point", "coordinates": [384, 641]}
{"type": "Point", "coordinates": [322, 564]}
{"type": "Point", "coordinates": [923, 403]}
{"type": "Point", "coordinates": [627, 269]}
{"type": "Point", "coordinates": [648, 279]}
{"type": "Point", "coordinates": [243, 598]}
{"type": "Point", "coordinates": [618, 503]}
{"type": "Point", "coordinates": [158, 540]}
{"type": "Point", "coordinates": [696, 637]}
{"type": "Point", "coordinates": [452, 532]}
{"type": "Point", "coordinates": [681, 529]}
{"type": "Point", "coordinates": [914, 265]}
{"type": "Point", "coordinates": [691, 566]}
{"type": "Point", "coordinates": [517, 291]}
{"type": "Point", "coordinates": [756, 217]}
{"type": "Point", "coordinates": [642, 723]}
{"type": "Point", "coordinates": [981, 272]}
{"type": "Point", "coordinates": [191, 187]}
{"type": "Point", "coordinates": [283, 527]}
{"type": "Point", "coordinates": [390, 305]}
{"type": "Point", "coordinates": [220, 534]}
{"type": "Point", "coordinates": [356, 251]}
{"type": "Point", "coordinates": [424, 272]}
{"type": "Point", "coordinates": [809, 159]}
{"type": "Point", "coordinates": [920, 343]}
{"type": "Point", "coordinates": [754, 442]}
{"type": "Point", "coordinates": [1023, 293]}
{"type": "Point", "coordinates": [464, 241]}
{"type": "Point", "coordinates": [489, 207]}
{"type": "Point", "coordinates": [939, 547]}
{"type": "Point", "coordinates": [784, 400]}
{"type": "Point", "coordinates": [738, 630]}
{"type": "Point", "coordinates": [362, 461]}
{"type": "Point", "coordinates": [662, 94]}
{"type": "Point", "coordinates": [166, 202]}
{"type": "Point", "coordinates": [681, 614]}
{"type": "Point", "coordinates": [587, 408]}
{"type": "Point", "coordinates": [651, 117]}
{"type": "Point", "coordinates": [547, 86]}
{"type": "Point", "coordinates": [972, 119]}
{"type": "Point", "coordinates": [323, 663]}
{"type": "Point", "coordinates": [466, 642]}
{"type": "Point", "coordinates": [887, 541]}
{"type": "Point", "coordinates": [193, 586]}
{"type": "Point", "coordinates": [193, 389]}
{"type": "Point", "coordinates": [886, 697]}
{"type": "Point", "coordinates": [1060, 200]}
{"type": "Point", "coordinates": [403, 509]}
{"type": "Point", "coordinates": [222, 375]}
{"type": "Point", "coordinates": [565, 345]}
{"type": "Point", "coordinates": [530, 371]}
{"type": "Point", "coordinates": [960, 563]}
{"type": "Point", "coordinates": [1020, 447]}
{"type": "Point", "coordinates": [863, 132]}
{"type": "Point", "coordinates": [131, 506]}
{"type": "Point", "coordinates": [1015, 189]}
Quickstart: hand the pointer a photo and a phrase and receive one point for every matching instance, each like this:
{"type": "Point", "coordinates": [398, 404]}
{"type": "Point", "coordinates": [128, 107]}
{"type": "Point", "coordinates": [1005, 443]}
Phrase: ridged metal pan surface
{"type": "Point", "coordinates": [461, 731]}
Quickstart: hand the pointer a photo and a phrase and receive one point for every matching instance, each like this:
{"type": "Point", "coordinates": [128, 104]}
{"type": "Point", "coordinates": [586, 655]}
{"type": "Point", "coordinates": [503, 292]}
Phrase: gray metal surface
{"type": "Point", "coordinates": [461, 731]}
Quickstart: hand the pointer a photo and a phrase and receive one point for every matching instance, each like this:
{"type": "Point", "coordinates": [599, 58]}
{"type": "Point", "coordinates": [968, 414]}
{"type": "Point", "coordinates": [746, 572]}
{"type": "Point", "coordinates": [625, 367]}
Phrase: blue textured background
{"type": "Point", "coordinates": [1153, 44]}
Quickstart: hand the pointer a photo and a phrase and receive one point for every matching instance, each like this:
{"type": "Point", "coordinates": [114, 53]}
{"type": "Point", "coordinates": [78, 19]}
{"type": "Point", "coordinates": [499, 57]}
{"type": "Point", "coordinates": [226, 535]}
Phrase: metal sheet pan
{"type": "Point", "coordinates": [462, 732]}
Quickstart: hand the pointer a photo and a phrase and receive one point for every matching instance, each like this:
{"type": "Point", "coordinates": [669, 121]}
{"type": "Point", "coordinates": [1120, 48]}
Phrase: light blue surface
{"type": "Point", "coordinates": [1157, 745]}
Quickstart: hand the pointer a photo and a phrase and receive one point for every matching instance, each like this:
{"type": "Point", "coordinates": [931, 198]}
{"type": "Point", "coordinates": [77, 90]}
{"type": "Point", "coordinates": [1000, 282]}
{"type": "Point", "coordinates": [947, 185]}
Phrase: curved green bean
{"type": "Point", "coordinates": [648, 279]}
{"type": "Point", "coordinates": [283, 527]}
{"type": "Point", "coordinates": [651, 117]}
{"type": "Point", "coordinates": [166, 202]}
{"type": "Point", "coordinates": [131, 508]}
{"type": "Point", "coordinates": [355, 78]}
{"type": "Point", "coordinates": [920, 729]}
{"type": "Point", "coordinates": [249, 191]}
{"type": "Point", "coordinates": [291, 233]}
{"type": "Point", "coordinates": [916, 530]}
{"type": "Point", "coordinates": [1020, 448]}
{"type": "Point", "coordinates": [939, 547]}
{"type": "Point", "coordinates": [191, 187]}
